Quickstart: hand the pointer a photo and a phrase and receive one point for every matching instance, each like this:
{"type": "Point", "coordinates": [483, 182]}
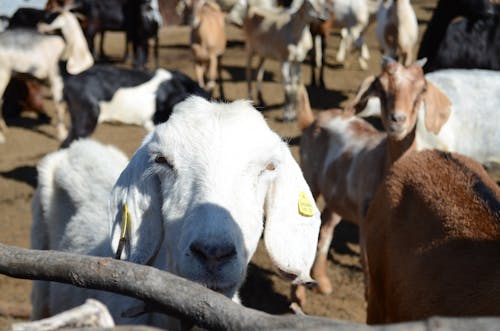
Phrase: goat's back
{"type": "Point", "coordinates": [472, 128]}
{"type": "Point", "coordinates": [432, 240]}
{"type": "Point", "coordinates": [72, 194]}
{"type": "Point", "coordinates": [342, 158]}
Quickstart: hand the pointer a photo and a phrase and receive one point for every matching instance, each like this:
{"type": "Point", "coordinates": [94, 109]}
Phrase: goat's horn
{"type": "Point", "coordinates": [386, 60]}
{"type": "Point", "coordinates": [421, 62]}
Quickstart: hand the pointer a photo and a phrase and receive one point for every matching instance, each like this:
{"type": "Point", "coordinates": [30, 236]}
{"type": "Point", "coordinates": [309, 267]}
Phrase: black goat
{"type": "Point", "coordinates": [108, 93]}
{"type": "Point", "coordinates": [473, 42]}
{"type": "Point", "coordinates": [140, 19]}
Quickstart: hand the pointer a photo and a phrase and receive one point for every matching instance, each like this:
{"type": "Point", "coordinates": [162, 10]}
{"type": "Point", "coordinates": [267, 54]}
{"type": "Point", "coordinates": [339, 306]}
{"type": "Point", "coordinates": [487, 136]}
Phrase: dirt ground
{"type": "Point", "coordinates": [28, 142]}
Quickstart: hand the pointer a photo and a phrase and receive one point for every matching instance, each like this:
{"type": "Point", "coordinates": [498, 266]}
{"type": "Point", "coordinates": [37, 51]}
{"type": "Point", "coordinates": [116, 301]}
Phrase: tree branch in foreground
{"type": "Point", "coordinates": [161, 290]}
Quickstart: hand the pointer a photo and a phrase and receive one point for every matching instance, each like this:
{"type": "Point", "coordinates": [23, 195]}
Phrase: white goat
{"type": "Point", "coordinates": [37, 54]}
{"type": "Point", "coordinates": [196, 190]}
{"type": "Point", "coordinates": [354, 16]}
{"type": "Point", "coordinates": [283, 36]}
{"type": "Point", "coordinates": [397, 30]}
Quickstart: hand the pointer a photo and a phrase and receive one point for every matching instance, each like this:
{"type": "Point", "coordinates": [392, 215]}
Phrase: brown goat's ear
{"type": "Point", "coordinates": [437, 108]}
{"type": "Point", "coordinates": [367, 89]}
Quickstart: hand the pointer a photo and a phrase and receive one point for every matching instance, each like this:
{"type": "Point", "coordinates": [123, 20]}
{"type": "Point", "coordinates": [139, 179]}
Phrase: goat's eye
{"type": "Point", "coordinates": [270, 166]}
{"type": "Point", "coordinates": [160, 159]}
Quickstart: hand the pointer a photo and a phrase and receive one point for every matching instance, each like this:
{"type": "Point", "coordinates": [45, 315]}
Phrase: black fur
{"type": "Point", "coordinates": [473, 42]}
{"type": "Point", "coordinates": [84, 91]}
{"type": "Point", "coordinates": [120, 15]}
{"type": "Point", "coordinates": [30, 17]}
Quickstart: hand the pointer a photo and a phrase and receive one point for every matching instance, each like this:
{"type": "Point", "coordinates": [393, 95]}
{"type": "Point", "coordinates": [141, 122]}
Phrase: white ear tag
{"type": "Point", "coordinates": [305, 206]}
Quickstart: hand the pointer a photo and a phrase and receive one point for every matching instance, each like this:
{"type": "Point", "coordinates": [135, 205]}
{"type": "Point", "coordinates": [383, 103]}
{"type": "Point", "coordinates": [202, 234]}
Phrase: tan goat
{"type": "Point", "coordinates": [344, 158]}
{"type": "Point", "coordinates": [208, 42]}
{"type": "Point", "coordinates": [432, 240]}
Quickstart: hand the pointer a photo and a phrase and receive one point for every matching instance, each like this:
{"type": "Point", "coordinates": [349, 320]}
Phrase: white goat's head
{"type": "Point", "coordinates": [76, 52]}
{"type": "Point", "coordinates": [198, 190]}
{"type": "Point", "coordinates": [401, 91]}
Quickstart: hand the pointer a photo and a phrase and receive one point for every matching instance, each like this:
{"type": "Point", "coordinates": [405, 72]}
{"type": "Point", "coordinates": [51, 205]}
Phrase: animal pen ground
{"type": "Point", "coordinates": [29, 141]}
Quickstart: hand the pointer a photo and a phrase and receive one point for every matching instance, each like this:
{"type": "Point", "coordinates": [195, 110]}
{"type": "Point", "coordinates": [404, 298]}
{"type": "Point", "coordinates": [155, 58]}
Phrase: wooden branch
{"type": "Point", "coordinates": [176, 296]}
{"type": "Point", "coordinates": [91, 314]}
{"type": "Point", "coordinates": [161, 290]}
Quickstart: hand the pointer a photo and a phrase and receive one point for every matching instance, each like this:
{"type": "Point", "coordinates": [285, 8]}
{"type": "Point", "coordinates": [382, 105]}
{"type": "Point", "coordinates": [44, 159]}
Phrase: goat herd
{"type": "Point", "coordinates": [208, 173]}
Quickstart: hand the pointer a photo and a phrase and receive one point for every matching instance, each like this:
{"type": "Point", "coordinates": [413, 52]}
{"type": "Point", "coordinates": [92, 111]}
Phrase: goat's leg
{"type": "Point", "coordinates": [212, 73]}
{"type": "Point", "coordinates": [199, 72]}
{"type": "Point", "coordinates": [406, 57]}
{"type": "Point", "coordinates": [260, 77]}
{"type": "Point", "coordinates": [56, 86]}
{"type": "Point", "coordinates": [219, 75]}
{"type": "Point", "coordinates": [290, 91]}
{"type": "Point", "coordinates": [248, 75]}
{"type": "Point", "coordinates": [359, 41]}
{"type": "Point", "coordinates": [156, 50]}
{"type": "Point", "coordinates": [318, 270]}
{"type": "Point", "coordinates": [127, 48]}
{"type": "Point", "coordinates": [344, 36]}
{"type": "Point", "coordinates": [4, 81]}
{"type": "Point", "coordinates": [314, 58]}
{"type": "Point", "coordinates": [101, 46]}
{"type": "Point", "coordinates": [322, 62]}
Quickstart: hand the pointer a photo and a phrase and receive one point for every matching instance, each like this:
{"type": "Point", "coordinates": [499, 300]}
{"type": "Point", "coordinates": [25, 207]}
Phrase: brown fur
{"type": "Point", "coordinates": [23, 94]}
{"type": "Point", "coordinates": [432, 240]}
{"type": "Point", "coordinates": [348, 182]}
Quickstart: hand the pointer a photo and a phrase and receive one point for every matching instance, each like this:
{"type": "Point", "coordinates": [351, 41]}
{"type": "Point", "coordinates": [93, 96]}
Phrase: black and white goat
{"type": "Point", "coordinates": [106, 93]}
{"type": "Point", "coordinates": [472, 42]}
{"type": "Point", "coordinates": [37, 54]}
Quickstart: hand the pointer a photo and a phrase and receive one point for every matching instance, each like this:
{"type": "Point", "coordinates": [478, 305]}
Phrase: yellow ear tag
{"type": "Point", "coordinates": [305, 206]}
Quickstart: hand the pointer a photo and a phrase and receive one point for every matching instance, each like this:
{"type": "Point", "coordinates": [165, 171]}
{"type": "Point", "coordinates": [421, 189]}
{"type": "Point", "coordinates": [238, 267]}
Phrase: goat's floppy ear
{"type": "Point", "coordinates": [79, 57]}
{"type": "Point", "coordinates": [139, 190]}
{"type": "Point", "coordinates": [367, 89]}
{"type": "Point", "coordinates": [437, 108]}
{"type": "Point", "coordinates": [292, 221]}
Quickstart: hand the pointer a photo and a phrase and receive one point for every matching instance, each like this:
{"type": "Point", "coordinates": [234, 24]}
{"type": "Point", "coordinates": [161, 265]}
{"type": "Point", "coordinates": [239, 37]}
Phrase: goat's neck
{"type": "Point", "coordinates": [436, 30]}
{"type": "Point", "coordinates": [397, 148]}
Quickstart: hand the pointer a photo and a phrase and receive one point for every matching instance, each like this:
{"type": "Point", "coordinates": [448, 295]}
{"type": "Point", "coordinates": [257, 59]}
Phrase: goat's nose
{"type": "Point", "coordinates": [212, 253]}
{"type": "Point", "coordinates": [397, 117]}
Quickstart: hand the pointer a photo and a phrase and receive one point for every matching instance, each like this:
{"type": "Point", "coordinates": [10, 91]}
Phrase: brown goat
{"type": "Point", "coordinates": [208, 42]}
{"type": "Point", "coordinates": [432, 240]}
{"type": "Point", "coordinates": [344, 158]}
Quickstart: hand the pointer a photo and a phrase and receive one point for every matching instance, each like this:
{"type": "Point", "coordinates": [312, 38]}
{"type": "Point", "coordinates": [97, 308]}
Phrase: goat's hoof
{"type": "Point", "coordinates": [62, 133]}
{"type": "Point", "coordinates": [324, 286]}
{"type": "Point", "coordinates": [298, 295]}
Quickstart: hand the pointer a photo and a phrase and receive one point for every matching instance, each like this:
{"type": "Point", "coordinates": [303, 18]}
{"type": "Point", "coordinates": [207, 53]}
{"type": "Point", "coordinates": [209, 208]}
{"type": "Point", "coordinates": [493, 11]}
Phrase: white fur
{"type": "Point", "coordinates": [473, 126]}
{"type": "Point", "coordinates": [134, 105]}
{"type": "Point", "coordinates": [354, 16]}
{"type": "Point", "coordinates": [219, 188]}
{"type": "Point", "coordinates": [39, 55]}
